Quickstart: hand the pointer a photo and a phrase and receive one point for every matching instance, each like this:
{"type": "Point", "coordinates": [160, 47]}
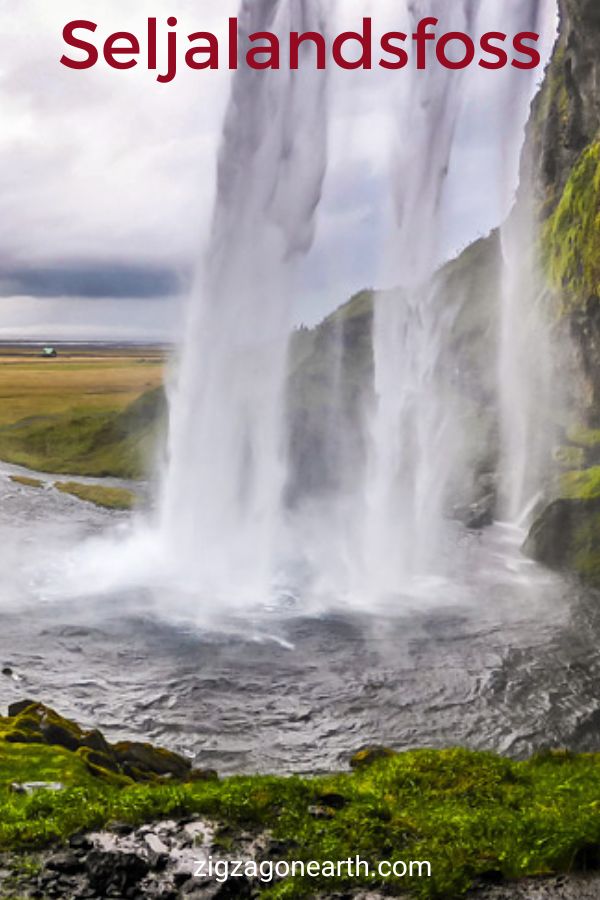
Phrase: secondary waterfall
{"type": "Point", "coordinates": [526, 391]}
{"type": "Point", "coordinates": [223, 491]}
{"type": "Point", "coordinates": [416, 439]}
{"type": "Point", "coordinates": [412, 430]}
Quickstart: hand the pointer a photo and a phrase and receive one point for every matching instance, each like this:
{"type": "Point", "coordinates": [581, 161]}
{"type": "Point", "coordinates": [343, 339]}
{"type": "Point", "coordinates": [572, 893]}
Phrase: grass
{"type": "Point", "coordinates": [467, 813]}
{"type": "Point", "coordinates": [31, 387]}
{"type": "Point", "coordinates": [81, 415]}
{"type": "Point", "coordinates": [107, 497]}
{"type": "Point", "coordinates": [25, 481]}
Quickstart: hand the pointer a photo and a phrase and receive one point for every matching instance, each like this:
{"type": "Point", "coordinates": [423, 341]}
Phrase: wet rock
{"type": "Point", "coordinates": [96, 741]}
{"type": "Point", "coordinates": [143, 761]}
{"type": "Point", "coordinates": [80, 841]}
{"type": "Point", "coordinates": [567, 536]}
{"type": "Point", "coordinates": [481, 514]}
{"type": "Point", "coordinates": [67, 863]}
{"type": "Point", "coordinates": [15, 709]}
{"type": "Point", "coordinates": [110, 872]}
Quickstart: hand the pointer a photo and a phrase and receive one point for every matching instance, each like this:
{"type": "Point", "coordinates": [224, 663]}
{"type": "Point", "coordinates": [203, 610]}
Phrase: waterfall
{"type": "Point", "coordinates": [412, 432]}
{"type": "Point", "coordinates": [222, 496]}
{"type": "Point", "coordinates": [416, 439]}
{"type": "Point", "coordinates": [227, 520]}
{"type": "Point", "coordinates": [526, 391]}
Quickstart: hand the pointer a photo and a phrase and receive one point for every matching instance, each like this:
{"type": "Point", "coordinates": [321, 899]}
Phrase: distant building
{"type": "Point", "coordinates": [49, 352]}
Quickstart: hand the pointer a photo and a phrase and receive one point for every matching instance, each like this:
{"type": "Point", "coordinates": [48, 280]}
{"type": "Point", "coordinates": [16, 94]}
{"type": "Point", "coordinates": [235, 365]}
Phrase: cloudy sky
{"type": "Point", "coordinates": [107, 178]}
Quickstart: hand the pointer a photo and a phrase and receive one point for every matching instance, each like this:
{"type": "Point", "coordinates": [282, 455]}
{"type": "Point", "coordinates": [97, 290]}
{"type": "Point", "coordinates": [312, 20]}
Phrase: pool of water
{"type": "Point", "coordinates": [504, 655]}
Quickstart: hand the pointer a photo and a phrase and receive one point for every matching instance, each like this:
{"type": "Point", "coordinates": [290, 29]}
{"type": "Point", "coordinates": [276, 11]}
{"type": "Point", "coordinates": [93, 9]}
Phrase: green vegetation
{"type": "Point", "coordinates": [87, 415]}
{"type": "Point", "coordinates": [26, 481]}
{"type": "Point", "coordinates": [581, 485]}
{"type": "Point", "coordinates": [85, 442]}
{"type": "Point", "coordinates": [584, 437]}
{"type": "Point", "coordinates": [467, 813]}
{"type": "Point", "coordinates": [107, 497]}
{"type": "Point", "coordinates": [571, 236]}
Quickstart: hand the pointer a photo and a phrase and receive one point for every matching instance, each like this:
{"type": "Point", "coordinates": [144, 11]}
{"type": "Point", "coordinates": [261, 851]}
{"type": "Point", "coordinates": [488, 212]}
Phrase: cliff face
{"type": "Point", "coordinates": [562, 163]}
{"type": "Point", "coordinates": [566, 113]}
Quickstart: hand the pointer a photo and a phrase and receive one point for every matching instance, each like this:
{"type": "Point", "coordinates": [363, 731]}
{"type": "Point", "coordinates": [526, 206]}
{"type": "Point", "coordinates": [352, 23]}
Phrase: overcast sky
{"type": "Point", "coordinates": [107, 178]}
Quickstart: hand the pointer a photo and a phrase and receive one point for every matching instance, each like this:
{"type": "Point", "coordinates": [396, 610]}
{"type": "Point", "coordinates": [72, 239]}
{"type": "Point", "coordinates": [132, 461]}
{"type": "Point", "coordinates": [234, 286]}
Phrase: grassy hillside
{"type": "Point", "coordinates": [90, 416]}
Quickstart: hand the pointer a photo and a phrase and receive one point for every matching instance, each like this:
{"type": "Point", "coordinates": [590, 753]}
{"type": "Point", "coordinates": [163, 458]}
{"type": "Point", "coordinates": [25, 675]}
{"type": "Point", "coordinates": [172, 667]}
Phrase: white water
{"type": "Point", "coordinates": [412, 435]}
{"type": "Point", "coordinates": [225, 534]}
{"type": "Point", "coordinates": [527, 390]}
{"type": "Point", "coordinates": [222, 503]}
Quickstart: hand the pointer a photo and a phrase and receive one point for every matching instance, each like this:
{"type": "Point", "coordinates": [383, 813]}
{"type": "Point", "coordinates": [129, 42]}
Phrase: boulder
{"type": "Point", "coordinates": [143, 761]}
{"type": "Point", "coordinates": [114, 874]}
{"type": "Point", "coordinates": [366, 756]}
{"type": "Point", "coordinates": [566, 535]}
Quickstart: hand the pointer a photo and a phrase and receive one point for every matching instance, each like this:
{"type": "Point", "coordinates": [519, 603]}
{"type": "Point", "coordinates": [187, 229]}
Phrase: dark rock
{"type": "Point", "coordinates": [121, 828]}
{"type": "Point", "coordinates": [109, 872]}
{"type": "Point", "coordinates": [15, 709]}
{"type": "Point", "coordinates": [95, 740]}
{"type": "Point", "coordinates": [7, 671]}
{"type": "Point", "coordinates": [142, 761]}
{"type": "Point", "coordinates": [567, 536]}
{"type": "Point", "coordinates": [203, 775]}
{"type": "Point", "coordinates": [23, 737]}
{"type": "Point", "coordinates": [67, 863]}
{"type": "Point", "coordinates": [481, 514]}
{"type": "Point", "coordinates": [366, 756]}
{"type": "Point", "coordinates": [99, 763]}
{"type": "Point", "coordinates": [80, 841]}
{"type": "Point", "coordinates": [60, 732]}
{"type": "Point", "coordinates": [333, 800]}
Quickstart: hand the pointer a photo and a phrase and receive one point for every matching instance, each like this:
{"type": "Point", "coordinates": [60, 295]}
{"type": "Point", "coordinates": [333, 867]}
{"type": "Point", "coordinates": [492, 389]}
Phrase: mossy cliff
{"type": "Point", "coordinates": [562, 163]}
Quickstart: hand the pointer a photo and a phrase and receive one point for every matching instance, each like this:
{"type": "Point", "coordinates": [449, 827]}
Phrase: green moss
{"type": "Point", "coordinates": [587, 544]}
{"type": "Point", "coordinates": [26, 481]}
{"type": "Point", "coordinates": [584, 437]}
{"type": "Point", "coordinates": [107, 497]}
{"type": "Point", "coordinates": [581, 485]}
{"type": "Point", "coordinates": [465, 812]}
{"type": "Point", "coordinates": [571, 236]}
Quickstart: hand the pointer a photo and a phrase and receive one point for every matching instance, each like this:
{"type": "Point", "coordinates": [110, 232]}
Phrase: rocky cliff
{"type": "Point", "coordinates": [562, 163]}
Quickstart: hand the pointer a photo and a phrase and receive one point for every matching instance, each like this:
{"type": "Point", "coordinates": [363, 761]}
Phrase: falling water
{"type": "Point", "coordinates": [228, 477]}
{"type": "Point", "coordinates": [222, 496]}
{"type": "Point", "coordinates": [526, 390]}
{"type": "Point", "coordinates": [412, 434]}
{"type": "Point", "coordinates": [416, 433]}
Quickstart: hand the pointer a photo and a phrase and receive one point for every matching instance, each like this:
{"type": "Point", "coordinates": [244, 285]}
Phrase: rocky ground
{"type": "Point", "coordinates": [161, 861]}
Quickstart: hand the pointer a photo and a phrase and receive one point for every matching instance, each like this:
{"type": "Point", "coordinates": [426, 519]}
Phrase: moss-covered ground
{"type": "Point", "coordinates": [469, 814]}
{"type": "Point", "coordinates": [107, 497]}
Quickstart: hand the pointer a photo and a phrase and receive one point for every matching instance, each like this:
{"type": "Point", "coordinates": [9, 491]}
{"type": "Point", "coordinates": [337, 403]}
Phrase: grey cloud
{"type": "Point", "coordinates": [96, 280]}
